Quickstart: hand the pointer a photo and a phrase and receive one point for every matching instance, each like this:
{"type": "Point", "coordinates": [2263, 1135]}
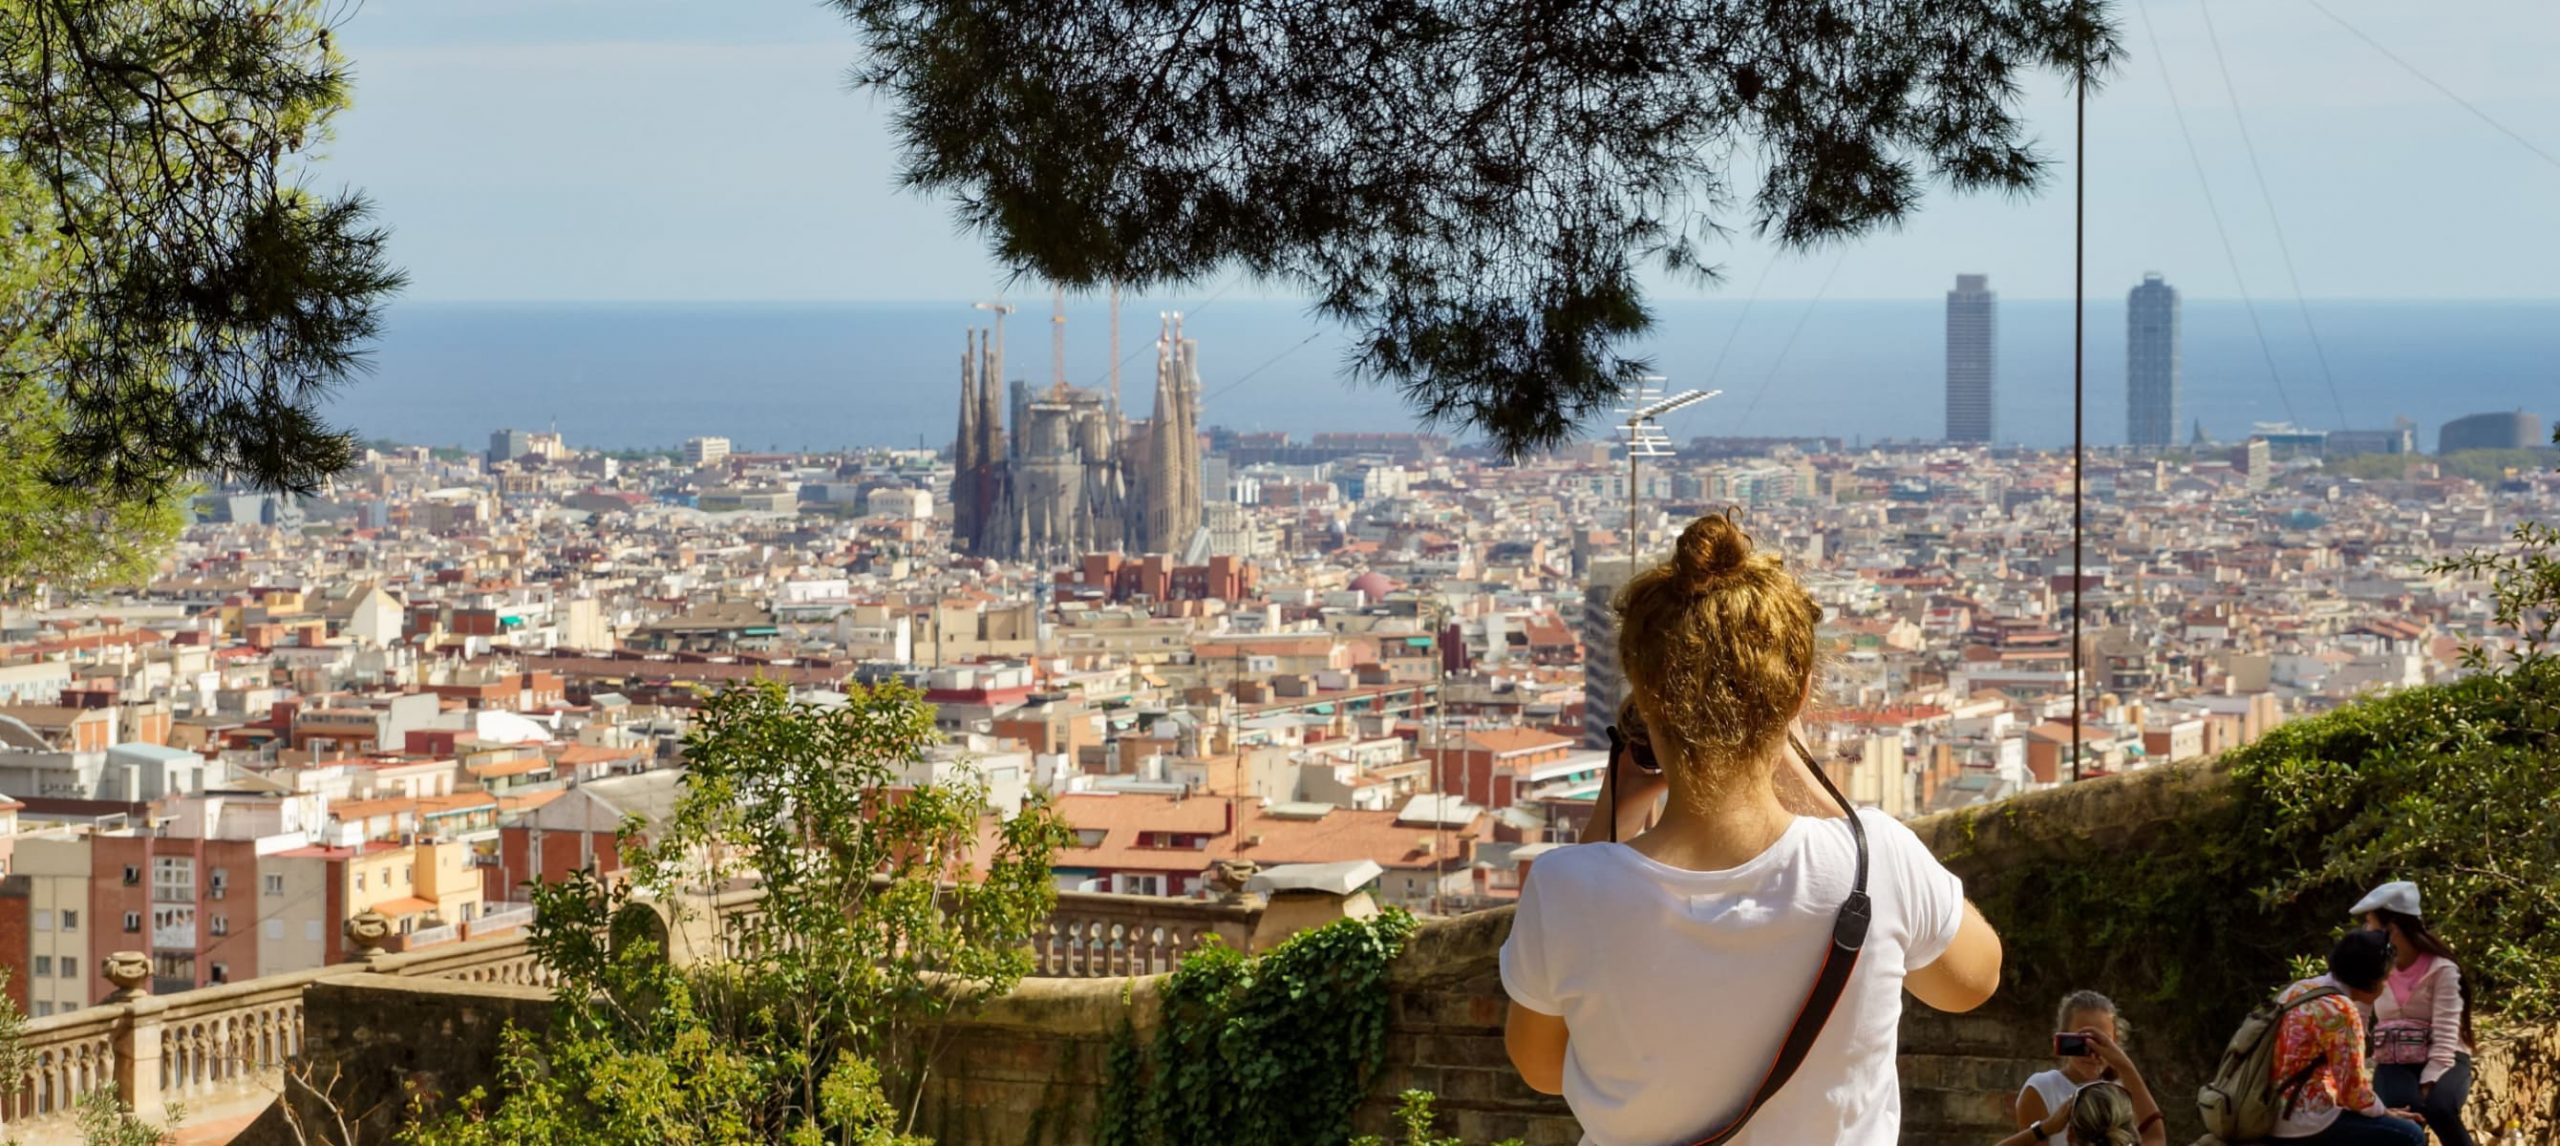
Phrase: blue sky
{"type": "Point", "coordinates": [711, 150]}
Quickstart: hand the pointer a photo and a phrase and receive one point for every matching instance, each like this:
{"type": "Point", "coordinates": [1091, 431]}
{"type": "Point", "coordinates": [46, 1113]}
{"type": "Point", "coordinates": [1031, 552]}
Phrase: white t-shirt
{"type": "Point", "coordinates": [1677, 987]}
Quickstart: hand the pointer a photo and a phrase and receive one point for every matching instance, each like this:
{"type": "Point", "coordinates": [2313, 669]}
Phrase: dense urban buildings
{"type": "Point", "coordinates": [451, 673]}
{"type": "Point", "coordinates": [1972, 358]}
{"type": "Point", "coordinates": [2151, 365]}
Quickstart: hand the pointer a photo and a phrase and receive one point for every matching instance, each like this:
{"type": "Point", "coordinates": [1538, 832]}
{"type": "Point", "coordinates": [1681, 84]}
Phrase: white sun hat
{"type": "Point", "coordinates": [2398, 895]}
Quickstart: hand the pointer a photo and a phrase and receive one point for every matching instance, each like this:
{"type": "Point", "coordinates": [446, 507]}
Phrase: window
{"type": "Point", "coordinates": [132, 921]}
{"type": "Point", "coordinates": [311, 930]}
{"type": "Point", "coordinates": [44, 964]}
{"type": "Point", "coordinates": [132, 875]}
{"type": "Point", "coordinates": [43, 919]}
{"type": "Point", "coordinates": [173, 879]}
{"type": "Point", "coordinates": [70, 967]}
{"type": "Point", "coordinates": [222, 925]}
{"type": "Point", "coordinates": [275, 929]}
{"type": "Point", "coordinates": [359, 881]}
{"type": "Point", "coordinates": [221, 972]}
{"type": "Point", "coordinates": [408, 874]}
{"type": "Point", "coordinates": [70, 920]}
{"type": "Point", "coordinates": [275, 885]}
{"type": "Point", "coordinates": [43, 1008]}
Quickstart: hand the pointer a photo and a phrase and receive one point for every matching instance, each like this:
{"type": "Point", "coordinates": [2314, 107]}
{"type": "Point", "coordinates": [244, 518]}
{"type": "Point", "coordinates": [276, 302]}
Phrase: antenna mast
{"type": "Point", "coordinates": [1058, 337]}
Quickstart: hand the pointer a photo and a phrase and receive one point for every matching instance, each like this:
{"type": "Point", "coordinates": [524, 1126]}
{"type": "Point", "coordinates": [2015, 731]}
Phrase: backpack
{"type": "Point", "coordinates": [2242, 1102]}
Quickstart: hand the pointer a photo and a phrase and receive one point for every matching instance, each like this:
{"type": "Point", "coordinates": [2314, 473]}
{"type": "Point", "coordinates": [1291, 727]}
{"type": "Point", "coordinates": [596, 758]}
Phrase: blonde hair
{"type": "Point", "coordinates": [2102, 1115]}
{"type": "Point", "coordinates": [1718, 648]}
{"type": "Point", "coordinates": [2088, 1003]}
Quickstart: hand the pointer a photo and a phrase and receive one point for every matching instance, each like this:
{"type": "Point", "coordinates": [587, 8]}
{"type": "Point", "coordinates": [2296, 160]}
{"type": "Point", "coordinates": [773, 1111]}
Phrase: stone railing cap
{"type": "Point", "coordinates": [1341, 878]}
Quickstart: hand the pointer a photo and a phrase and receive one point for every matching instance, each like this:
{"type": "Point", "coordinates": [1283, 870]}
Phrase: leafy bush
{"type": "Point", "coordinates": [876, 918]}
{"type": "Point", "coordinates": [1263, 1050]}
{"type": "Point", "coordinates": [1414, 1119]}
{"type": "Point", "coordinates": [2449, 785]}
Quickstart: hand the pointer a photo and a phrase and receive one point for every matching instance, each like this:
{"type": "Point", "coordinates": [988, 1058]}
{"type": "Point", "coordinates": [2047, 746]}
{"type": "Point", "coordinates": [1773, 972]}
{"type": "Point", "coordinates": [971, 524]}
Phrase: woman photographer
{"type": "Point", "coordinates": [1655, 982]}
{"type": "Point", "coordinates": [2082, 1013]}
{"type": "Point", "coordinates": [2422, 1017]}
{"type": "Point", "coordinates": [2105, 1112]}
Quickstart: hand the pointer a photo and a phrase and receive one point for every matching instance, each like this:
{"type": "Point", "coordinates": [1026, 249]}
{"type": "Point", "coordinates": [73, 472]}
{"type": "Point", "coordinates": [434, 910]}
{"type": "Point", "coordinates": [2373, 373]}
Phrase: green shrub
{"type": "Point", "coordinates": [1266, 1050]}
{"type": "Point", "coordinates": [2455, 786]}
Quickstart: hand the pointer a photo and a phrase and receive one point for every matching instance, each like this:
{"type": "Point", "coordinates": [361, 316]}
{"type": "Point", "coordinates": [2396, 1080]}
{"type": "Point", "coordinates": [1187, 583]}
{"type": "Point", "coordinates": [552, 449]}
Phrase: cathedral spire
{"type": "Point", "coordinates": [964, 452]}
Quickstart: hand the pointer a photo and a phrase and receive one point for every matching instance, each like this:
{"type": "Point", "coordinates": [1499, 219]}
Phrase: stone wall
{"type": "Point", "coordinates": [1028, 1069]}
{"type": "Point", "coordinates": [375, 1042]}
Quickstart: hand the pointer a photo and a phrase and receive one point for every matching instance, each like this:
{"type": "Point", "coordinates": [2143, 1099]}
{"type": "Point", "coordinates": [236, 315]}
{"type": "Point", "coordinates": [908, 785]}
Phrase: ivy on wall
{"type": "Point", "coordinates": [1262, 1050]}
{"type": "Point", "coordinates": [2454, 786]}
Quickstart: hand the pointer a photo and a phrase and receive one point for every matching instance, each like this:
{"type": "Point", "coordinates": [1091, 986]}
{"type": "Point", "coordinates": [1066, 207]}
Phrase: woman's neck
{"type": "Point", "coordinates": [2083, 1075]}
{"type": "Point", "coordinates": [2407, 956]}
{"type": "Point", "coordinates": [1730, 833]}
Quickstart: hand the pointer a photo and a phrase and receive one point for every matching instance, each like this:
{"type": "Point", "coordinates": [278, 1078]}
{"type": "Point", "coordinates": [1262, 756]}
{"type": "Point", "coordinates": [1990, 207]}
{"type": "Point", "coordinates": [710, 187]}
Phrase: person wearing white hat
{"type": "Point", "coordinates": [2422, 1017]}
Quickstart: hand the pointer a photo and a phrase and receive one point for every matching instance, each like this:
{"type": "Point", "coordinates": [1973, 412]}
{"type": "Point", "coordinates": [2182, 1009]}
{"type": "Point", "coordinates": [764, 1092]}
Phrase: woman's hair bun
{"type": "Point", "coordinates": [1711, 549]}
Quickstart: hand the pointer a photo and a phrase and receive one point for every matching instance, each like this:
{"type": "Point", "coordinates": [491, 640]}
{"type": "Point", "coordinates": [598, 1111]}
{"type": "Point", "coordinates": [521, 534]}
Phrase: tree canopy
{"type": "Point", "coordinates": [1476, 185]}
{"type": "Point", "coordinates": [181, 297]}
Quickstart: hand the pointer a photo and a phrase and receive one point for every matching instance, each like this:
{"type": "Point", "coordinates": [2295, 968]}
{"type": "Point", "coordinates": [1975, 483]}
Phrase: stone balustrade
{"type": "Point", "coordinates": [225, 1048]}
{"type": "Point", "coordinates": [213, 1050]}
{"type": "Point", "coordinates": [1097, 935]}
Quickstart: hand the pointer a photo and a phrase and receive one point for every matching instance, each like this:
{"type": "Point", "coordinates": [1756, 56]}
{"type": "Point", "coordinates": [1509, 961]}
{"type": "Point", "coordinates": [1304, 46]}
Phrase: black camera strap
{"type": "Point", "coordinates": [1848, 937]}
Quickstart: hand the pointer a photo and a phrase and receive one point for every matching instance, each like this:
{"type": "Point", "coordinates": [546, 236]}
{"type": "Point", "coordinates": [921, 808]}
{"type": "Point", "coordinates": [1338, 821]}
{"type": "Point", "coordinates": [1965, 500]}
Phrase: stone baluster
{"type": "Point", "coordinates": [137, 1033]}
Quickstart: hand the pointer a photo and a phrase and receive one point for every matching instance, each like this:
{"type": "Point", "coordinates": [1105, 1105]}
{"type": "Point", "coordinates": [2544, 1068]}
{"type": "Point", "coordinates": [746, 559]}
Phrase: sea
{"type": "Point", "coordinates": [810, 377]}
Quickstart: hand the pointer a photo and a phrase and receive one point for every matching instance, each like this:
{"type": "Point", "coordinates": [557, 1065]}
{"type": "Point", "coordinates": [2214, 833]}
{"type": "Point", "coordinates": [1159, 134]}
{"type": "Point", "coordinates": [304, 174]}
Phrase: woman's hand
{"type": "Point", "coordinates": [2111, 1054]}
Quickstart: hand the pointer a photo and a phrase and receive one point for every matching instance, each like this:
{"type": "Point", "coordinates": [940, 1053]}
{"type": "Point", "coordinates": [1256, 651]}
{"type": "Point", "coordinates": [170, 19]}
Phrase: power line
{"type": "Point", "coordinates": [1790, 346]}
{"type": "Point", "coordinates": [2448, 93]}
{"type": "Point", "coordinates": [2079, 394]}
{"type": "Point", "coordinates": [2211, 208]}
{"type": "Point", "coordinates": [2275, 222]}
{"type": "Point", "coordinates": [1134, 355]}
{"type": "Point", "coordinates": [1267, 363]}
{"type": "Point", "coordinates": [1738, 320]}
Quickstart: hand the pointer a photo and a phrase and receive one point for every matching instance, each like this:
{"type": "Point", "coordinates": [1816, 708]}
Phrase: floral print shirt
{"type": "Point", "coordinates": [2329, 1032]}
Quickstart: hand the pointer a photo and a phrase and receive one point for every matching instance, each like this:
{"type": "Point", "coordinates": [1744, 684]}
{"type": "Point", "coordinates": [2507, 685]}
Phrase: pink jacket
{"type": "Point", "coordinates": [2434, 1001]}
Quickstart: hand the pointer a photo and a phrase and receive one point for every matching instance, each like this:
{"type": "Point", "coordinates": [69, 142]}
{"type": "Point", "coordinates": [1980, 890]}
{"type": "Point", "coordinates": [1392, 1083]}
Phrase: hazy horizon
{"type": "Point", "coordinates": [660, 150]}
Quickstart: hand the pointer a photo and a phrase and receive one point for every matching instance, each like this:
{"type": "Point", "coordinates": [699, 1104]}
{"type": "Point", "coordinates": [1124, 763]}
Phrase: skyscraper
{"type": "Point", "coordinates": [2151, 366]}
{"type": "Point", "coordinates": [1972, 320]}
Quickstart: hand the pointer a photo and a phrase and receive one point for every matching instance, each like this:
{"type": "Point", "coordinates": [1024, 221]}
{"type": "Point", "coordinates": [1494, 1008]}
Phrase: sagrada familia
{"type": "Point", "coordinates": [1072, 476]}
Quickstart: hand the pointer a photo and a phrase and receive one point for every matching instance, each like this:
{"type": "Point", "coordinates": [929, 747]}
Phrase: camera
{"type": "Point", "coordinates": [2069, 1045]}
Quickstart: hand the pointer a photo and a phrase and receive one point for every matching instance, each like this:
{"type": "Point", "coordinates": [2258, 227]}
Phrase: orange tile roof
{"type": "Point", "coordinates": [1508, 740]}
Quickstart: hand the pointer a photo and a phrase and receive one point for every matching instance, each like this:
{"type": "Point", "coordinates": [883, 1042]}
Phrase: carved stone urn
{"type": "Point", "coordinates": [130, 971]}
{"type": "Point", "coordinates": [367, 932]}
{"type": "Point", "coordinates": [1228, 878]}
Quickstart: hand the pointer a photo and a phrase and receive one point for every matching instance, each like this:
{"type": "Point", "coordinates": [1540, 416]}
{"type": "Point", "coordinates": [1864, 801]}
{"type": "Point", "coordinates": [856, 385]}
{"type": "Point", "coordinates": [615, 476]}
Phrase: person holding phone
{"type": "Point", "coordinates": [2116, 1110]}
{"type": "Point", "coordinates": [1662, 974]}
{"type": "Point", "coordinates": [2081, 1015]}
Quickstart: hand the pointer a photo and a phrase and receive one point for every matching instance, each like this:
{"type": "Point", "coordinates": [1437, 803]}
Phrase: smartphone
{"type": "Point", "coordinates": [2068, 1045]}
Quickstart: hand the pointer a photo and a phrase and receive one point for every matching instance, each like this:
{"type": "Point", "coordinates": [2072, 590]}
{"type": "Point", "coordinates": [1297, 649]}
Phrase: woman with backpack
{"type": "Point", "coordinates": [2422, 1018]}
{"type": "Point", "coordinates": [1733, 973]}
{"type": "Point", "coordinates": [2322, 1084]}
